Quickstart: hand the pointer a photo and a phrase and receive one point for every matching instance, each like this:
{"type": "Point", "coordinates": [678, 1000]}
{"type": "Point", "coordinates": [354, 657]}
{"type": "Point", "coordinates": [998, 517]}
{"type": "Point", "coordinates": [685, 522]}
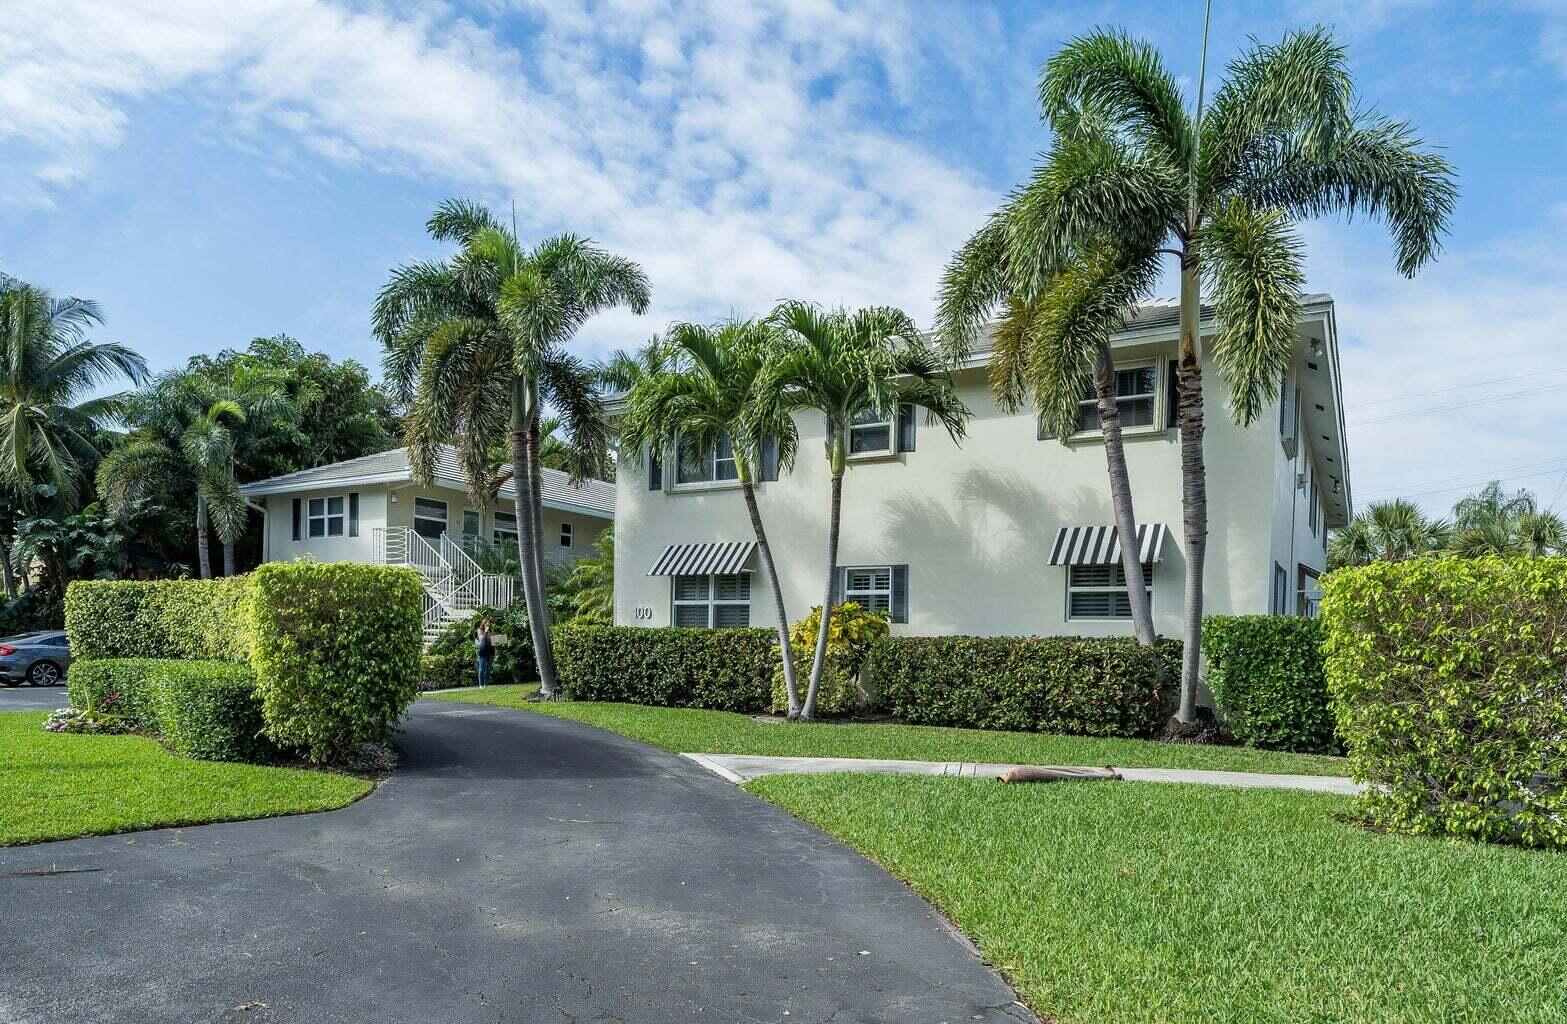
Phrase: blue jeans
{"type": "Point", "coordinates": [486, 662]}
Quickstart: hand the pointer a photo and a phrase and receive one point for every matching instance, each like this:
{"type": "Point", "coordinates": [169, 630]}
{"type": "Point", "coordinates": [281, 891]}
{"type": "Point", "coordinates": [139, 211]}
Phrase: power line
{"type": "Point", "coordinates": [1456, 387]}
{"type": "Point", "coordinates": [1475, 482]}
{"type": "Point", "coordinates": [1459, 405]}
{"type": "Point", "coordinates": [1494, 473]}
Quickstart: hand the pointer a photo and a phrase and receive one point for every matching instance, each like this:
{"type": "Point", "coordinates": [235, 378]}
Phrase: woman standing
{"type": "Point", "coordinates": [486, 647]}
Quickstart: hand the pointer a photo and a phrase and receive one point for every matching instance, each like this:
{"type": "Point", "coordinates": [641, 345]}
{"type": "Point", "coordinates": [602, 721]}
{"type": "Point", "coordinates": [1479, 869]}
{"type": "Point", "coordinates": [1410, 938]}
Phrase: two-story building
{"type": "Point", "coordinates": [1008, 532]}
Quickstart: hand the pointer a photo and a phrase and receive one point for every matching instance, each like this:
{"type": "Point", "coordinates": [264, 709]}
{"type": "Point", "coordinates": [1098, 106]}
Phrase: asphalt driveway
{"type": "Point", "coordinates": [33, 698]}
{"type": "Point", "coordinates": [516, 868]}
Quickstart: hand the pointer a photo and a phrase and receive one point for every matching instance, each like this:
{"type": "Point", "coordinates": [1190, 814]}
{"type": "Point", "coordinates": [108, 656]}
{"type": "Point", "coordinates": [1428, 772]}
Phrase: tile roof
{"type": "Point", "coordinates": [593, 496]}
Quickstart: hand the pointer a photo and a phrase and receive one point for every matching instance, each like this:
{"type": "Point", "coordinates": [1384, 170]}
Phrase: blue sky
{"type": "Point", "coordinates": [211, 172]}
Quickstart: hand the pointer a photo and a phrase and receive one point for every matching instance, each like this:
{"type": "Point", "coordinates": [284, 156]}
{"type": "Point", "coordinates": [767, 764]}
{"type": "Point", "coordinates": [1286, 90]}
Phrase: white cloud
{"type": "Point", "coordinates": [727, 148]}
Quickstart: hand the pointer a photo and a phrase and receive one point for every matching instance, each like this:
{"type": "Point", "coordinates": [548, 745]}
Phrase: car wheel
{"type": "Point", "coordinates": [44, 673]}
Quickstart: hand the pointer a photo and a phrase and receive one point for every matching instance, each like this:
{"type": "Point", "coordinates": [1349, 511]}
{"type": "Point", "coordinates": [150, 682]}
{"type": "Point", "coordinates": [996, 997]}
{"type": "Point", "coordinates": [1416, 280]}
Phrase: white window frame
{"type": "Point", "coordinates": [478, 524]}
{"type": "Point", "coordinates": [501, 536]}
{"type": "Point", "coordinates": [711, 464]}
{"type": "Point", "coordinates": [866, 597]}
{"type": "Point", "coordinates": [1155, 425]}
{"type": "Point", "coordinates": [326, 517]}
{"type": "Point", "coordinates": [856, 424]}
{"type": "Point", "coordinates": [446, 516]}
{"type": "Point", "coordinates": [566, 538]}
{"type": "Point", "coordinates": [711, 601]}
{"type": "Point", "coordinates": [1118, 572]}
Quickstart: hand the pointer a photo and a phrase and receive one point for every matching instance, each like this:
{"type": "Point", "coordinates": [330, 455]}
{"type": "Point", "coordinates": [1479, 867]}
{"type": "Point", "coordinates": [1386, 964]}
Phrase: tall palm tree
{"type": "Point", "coordinates": [187, 429]}
{"type": "Point", "coordinates": [476, 346]}
{"type": "Point", "coordinates": [1387, 531]}
{"type": "Point", "coordinates": [48, 370]}
{"type": "Point", "coordinates": [845, 364]}
{"type": "Point", "coordinates": [1050, 352]}
{"type": "Point", "coordinates": [1135, 170]}
{"type": "Point", "coordinates": [706, 396]}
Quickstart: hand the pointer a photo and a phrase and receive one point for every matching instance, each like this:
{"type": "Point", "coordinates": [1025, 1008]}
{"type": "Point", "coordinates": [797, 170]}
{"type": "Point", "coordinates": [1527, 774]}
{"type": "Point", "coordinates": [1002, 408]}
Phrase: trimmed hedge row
{"type": "Point", "coordinates": [202, 709]}
{"type": "Point", "coordinates": [719, 669]}
{"type": "Point", "coordinates": [1447, 679]}
{"type": "Point", "coordinates": [336, 652]}
{"type": "Point", "coordinates": [1267, 680]}
{"type": "Point", "coordinates": [197, 619]}
{"type": "Point", "coordinates": [1090, 686]}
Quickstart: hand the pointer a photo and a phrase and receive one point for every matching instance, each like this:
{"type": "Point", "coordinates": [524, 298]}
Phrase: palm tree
{"type": "Point", "coordinates": [48, 369]}
{"type": "Point", "coordinates": [188, 428]}
{"type": "Point", "coordinates": [1387, 531]}
{"type": "Point", "coordinates": [476, 346]}
{"type": "Point", "coordinates": [1135, 172]}
{"type": "Point", "coordinates": [848, 364]}
{"type": "Point", "coordinates": [1050, 353]}
{"type": "Point", "coordinates": [707, 396]}
{"type": "Point", "coordinates": [589, 586]}
{"type": "Point", "coordinates": [1493, 522]}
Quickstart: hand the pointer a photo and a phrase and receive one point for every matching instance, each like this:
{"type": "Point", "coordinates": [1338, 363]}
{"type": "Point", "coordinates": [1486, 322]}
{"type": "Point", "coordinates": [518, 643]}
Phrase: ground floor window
{"type": "Point", "coordinates": [1308, 592]}
{"type": "Point", "coordinates": [1281, 590]}
{"type": "Point", "coordinates": [1099, 591]}
{"type": "Point", "coordinates": [429, 517]}
{"type": "Point", "coordinates": [505, 528]}
{"type": "Point", "coordinates": [870, 587]}
{"type": "Point", "coordinates": [565, 535]}
{"type": "Point", "coordinates": [328, 516]}
{"type": "Point", "coordinates": [712, 601]}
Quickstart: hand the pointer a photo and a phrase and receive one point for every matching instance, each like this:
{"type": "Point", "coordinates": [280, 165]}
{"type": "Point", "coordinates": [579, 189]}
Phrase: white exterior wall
{"type": "Point", "coordinates": [974, 522]}
{"type": "Point", "coordinates": [280, 545]}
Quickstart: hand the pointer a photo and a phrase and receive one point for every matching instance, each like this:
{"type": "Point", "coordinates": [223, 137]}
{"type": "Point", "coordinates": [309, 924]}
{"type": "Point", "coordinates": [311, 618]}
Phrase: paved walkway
{"type": "Point", "coordinates": [517, 868]}
{"type": "Point", "coordinates": [740, 767]}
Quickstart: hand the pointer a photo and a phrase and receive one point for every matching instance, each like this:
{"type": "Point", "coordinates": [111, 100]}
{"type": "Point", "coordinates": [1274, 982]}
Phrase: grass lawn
{"type": "Point", "coordinates": [56, 786]}
{"type": "Point", "coordinates": [1134, 902]}
{"type": "Point", "coordinates": [721, 732]}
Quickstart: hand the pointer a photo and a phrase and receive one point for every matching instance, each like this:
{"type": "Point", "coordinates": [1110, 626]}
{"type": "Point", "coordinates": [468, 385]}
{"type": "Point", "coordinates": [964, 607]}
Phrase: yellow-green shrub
{"type": "Point", "coordinates": [198, 619]}
{"type": "Point", "coordinates": [1447, 678]}
{"type": "Point", "coordinates": [336, 649]}
{"type": "Point", "coordinates": [850, 633]}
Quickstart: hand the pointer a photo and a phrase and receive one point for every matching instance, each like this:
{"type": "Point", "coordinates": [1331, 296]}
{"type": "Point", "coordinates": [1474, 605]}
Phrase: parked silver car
{"type": "Point", "coordinates": [38, 658]}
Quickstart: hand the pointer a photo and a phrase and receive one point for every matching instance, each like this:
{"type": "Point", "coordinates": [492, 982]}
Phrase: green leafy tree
{"type": "Point", "coordinates": [1494, 522]}
{"type": "Point", "coordinates": [475, 345]}
{"type": "Point", "coordinates": [187, 432]}
{"type": "Point", "coordinates": [706, 396]}
{"type": "Point", "coordinates": [87, 544]}
{"type": "Point", "coordinates": [586, 589]}
{"type": "Point", "coordinates": [844, 365]}
{"type": "Point", "coordinates": [1135, 175]}
{"type": "Point", "coordinates": [49, 372]}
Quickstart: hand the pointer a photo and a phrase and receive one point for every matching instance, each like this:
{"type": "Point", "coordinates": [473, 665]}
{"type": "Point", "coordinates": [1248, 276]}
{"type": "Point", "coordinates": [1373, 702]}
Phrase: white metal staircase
{"type": "Point", "coordinates": [454, 585]}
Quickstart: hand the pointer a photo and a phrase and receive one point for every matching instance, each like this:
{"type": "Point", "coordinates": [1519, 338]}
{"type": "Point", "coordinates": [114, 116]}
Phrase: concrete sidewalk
{"type": "Point", "coordinates": [743, 767]}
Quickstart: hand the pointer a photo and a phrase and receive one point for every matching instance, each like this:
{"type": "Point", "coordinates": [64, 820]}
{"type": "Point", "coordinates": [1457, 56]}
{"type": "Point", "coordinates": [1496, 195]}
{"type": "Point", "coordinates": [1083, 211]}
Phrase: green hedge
{"type": "Point", "coordinates": [1090, 686]}
{"type": "Point", "coordinates": [337, 652]}
{"type": "Point", "coordinates": [202, 709]}
{"type": "Point", "coordinates": [1447, 679]}
{"type": "Point", "coordinates": [197, 619]}
{"type": "Point", "coordinates": [721, 669]}
{"type": "Point", "coordinates": [1266, 676]}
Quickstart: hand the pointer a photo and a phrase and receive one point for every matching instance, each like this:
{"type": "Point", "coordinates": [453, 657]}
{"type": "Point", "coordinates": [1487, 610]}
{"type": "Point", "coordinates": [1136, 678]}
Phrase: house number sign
{"type": "Point", "coordinates": [643, 612]}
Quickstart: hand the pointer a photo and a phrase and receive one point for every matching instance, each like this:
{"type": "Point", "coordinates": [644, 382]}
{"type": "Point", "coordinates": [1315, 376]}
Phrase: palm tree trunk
{"type": "Point", "coordinates": [1194, 486]}
{"type": "Point", "coordinates": [203, 560]}
{"type": "Point", "coordinates": [1121, 498]}
{"type": "Point", "coordinates": [522, 506]}
{"type": "Point", "coordinates": [6, 574]}
{"type": "Point", "coordinates": [228, 558]}
{"type": "Point", "coordinates": [808, 709]}
{"type": "Point", "coordinates": [545, 653]}
{"type": "Point", "coordinates": [765, 553]}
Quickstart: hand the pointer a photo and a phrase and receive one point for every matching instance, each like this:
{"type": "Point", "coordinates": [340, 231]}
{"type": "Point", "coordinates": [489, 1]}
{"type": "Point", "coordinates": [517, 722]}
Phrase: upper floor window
{"type": "Point", "coordinates": [1100, 591]}
{"type": "Point", "coordinates": [504, 530]}
{"type": "Point", "coordinates": [712, 602]}
{"type": "Point", "coordinates": [429, 517]}
{"type": "Point", "coordinates": [870, 432]}
{"type": "Point", "coordinates": [328, 516]}
{"type": "Point", "coordinates": [716, 463]}
{"type": "Point", "coordinates": [1136, 389]}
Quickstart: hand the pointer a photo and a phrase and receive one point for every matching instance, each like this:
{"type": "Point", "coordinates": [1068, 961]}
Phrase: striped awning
{"type": "Point", "coordinates": [1100, 545]}
{"type": "Point", "coordinates": [700, 559]}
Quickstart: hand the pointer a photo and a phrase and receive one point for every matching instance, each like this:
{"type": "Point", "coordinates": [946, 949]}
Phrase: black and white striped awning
{"type": "Point", "coordinates": [1100, 545]}
{"type": "Point", "coordinates": [701, 559]}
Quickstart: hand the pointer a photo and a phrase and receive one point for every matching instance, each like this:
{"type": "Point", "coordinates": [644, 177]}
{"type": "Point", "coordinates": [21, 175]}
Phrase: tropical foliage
{"type": "Point", "coordinates": [1489, 522]}
{"type": "Point", "coordinates": [475, 345]}
{"type": "Point", "coordinates": [847, 364]}
{"type": "Point", "coordinates": [1135, 174]}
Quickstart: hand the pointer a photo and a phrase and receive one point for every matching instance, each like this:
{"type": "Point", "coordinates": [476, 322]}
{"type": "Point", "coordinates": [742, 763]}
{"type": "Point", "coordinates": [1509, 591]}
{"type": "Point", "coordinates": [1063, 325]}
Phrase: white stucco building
{"type": "Point", "coordinates": [1008, 533]}
{"type": "Point", "coordinates": [372, 510]}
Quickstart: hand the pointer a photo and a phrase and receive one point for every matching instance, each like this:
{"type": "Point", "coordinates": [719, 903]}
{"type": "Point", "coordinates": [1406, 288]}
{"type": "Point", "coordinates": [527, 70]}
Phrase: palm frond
{"type": "Point", "coordinates": [1124, 82]}
{"type": "Point", "coordinates": [973, 285]}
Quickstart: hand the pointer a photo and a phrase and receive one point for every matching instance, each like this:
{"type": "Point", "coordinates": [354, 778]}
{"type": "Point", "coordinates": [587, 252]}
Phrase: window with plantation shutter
{"type": "Point", "coordinates": [876, 588]}
{"type": "Point", "coordinates": [1099, 591]}
{"type": "Point", "coordinates": [711, 602]}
